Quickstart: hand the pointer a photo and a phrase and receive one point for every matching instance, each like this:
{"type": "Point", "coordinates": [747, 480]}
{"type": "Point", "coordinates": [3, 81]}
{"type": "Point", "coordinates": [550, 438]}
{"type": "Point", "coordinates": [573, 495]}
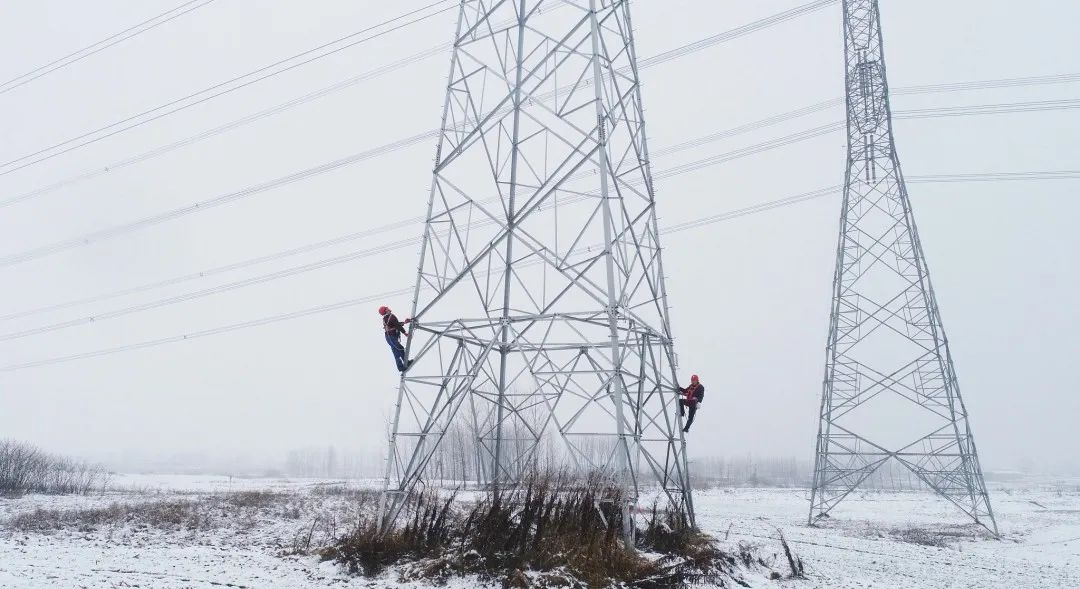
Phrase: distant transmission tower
{"type": "Point", "coordinates": [540, 308]}
{"type": "Point", "coordinates": [889, 376]}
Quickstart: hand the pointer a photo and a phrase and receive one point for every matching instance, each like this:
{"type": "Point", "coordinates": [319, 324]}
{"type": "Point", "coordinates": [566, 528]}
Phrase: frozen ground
{"type": "Point", "coordinates": [201, 532]}
{"type": "Point", "coordinates": [913, 540]}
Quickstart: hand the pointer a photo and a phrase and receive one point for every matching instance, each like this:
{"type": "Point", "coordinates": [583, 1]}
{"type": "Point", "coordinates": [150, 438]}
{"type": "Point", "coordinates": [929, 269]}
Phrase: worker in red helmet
{"type": "Point", "coordinates": [692, 397]}
{"type": "Point", "coordinates": [393, 329]}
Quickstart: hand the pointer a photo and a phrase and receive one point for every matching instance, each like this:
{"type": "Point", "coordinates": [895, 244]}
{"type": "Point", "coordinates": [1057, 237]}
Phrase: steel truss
{"type": "Point", "coordinates": [886, 338]}
{"type": "Point", "coordinates": [540, 308]}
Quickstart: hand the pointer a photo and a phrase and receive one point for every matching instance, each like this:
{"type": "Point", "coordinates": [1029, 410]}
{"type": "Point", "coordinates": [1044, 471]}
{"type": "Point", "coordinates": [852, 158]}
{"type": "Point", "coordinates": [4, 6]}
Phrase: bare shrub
{"type": "Point", "coordinates": [567, 529]}
{"type": "Point", "coordinates": [24, 468]}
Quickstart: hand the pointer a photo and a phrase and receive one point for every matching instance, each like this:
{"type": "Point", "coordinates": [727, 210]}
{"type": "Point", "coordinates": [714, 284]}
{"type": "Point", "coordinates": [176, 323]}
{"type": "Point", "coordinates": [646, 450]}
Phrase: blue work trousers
{"type": "Point", "coordinates": [398, 351]}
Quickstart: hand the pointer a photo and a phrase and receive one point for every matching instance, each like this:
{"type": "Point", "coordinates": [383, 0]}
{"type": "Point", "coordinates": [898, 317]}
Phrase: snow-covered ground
{"type": "Point", "coordinates": [914, 540]}
{"type": "Point", "coordinates": [204, 531]}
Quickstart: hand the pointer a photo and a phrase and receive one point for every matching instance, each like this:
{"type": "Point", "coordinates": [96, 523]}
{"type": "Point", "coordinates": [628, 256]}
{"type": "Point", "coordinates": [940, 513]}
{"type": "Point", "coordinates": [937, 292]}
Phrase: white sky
{"type": "Point", "coordinates": [750, 296]}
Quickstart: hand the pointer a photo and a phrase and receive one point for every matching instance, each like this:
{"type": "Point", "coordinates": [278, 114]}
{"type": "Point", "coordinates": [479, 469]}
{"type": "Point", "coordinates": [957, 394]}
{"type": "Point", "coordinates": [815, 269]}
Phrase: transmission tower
{"type": "Point", "coordinates": [540, 311]}
{"type": "Point", "coordinates": [888, 375]}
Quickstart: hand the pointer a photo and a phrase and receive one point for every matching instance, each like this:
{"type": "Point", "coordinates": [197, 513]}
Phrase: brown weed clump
{"type": "Point", "coordinates": [551, 531]}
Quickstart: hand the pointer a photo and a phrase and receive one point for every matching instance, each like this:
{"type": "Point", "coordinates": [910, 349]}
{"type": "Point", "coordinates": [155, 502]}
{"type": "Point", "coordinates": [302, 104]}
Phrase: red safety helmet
{"type": "Point", "coordinates": [383, 310]}
{"type": "Point", "coordinates": [694, 378]}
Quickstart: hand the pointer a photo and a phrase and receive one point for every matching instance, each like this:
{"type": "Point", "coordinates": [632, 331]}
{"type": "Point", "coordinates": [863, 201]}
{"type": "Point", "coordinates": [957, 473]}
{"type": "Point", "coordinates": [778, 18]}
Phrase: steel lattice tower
{"type": "Point", "coordinates": [888, 368]}
{"type": "Point", "coordinates": [540, 308]}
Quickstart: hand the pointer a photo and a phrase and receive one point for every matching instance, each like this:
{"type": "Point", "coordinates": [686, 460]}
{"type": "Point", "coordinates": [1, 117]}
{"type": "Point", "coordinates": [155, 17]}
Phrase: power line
{"type": "Point", "coordinates": [285, 273]}
{"type": "Point", "coordinates": [102, 45]}
{"type": "Point", "coordinates": [750, 210]}
{"type": "Point", "coordinates": [836, 190]}
{"type": "Point", "coordinates": [235, 124]}
{"type": "Point", "coordinates": [97, 236]}
{"type": "Point", "coordinates": [684, 168]}
{"type": "Point", "coordinates": [1001, 108]}
{"type": "Point", "coordinates": [750, 150]}
{"type": "Point", "coordinates": [988, 109]}
{"type": "Point", "coordinates": [664, 57]}
{"type": "Point", "coordinates": [212, 331]}
{"type": "Point", "coordinates": [196, 98]}
{"type": "Point", "coordinates": [787, 201]}
{"type": "Point", "coordinates": [737, 32]}
{"type": "Point", "coordinates": [159, 218]}
{"type": "Point", "coordinates": [657, 59]}
{"type": "Point", "coordinates": [214, 271]}
{"type": "Point", "coordinates": [752, 126]}
{"type": "Point", "coordinates": [414, 241]}
{"type": "Point", "coordinates": [996, 177]}
{"type": "Point", "coordinates": [987, 84]}
{"type": "Point", "coordinates": [922, 113]}
{"type": "Point", "coordinates": [401, 144]}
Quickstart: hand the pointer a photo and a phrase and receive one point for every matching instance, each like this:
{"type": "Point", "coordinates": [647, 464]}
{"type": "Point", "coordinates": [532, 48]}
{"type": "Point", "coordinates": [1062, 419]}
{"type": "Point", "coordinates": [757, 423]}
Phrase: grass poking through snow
{"type": "Point", "coordinates": [551, 531]}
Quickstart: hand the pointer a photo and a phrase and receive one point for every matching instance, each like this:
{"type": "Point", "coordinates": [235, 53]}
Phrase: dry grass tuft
{"type": "Point", "coordinates": [166, 515]}
{"type": "Point", "coordinates": [552, 531]}
{"type": "Point", "coordinates": [345, 492]}
{"type": "Point", "coordinates": [251, 499]}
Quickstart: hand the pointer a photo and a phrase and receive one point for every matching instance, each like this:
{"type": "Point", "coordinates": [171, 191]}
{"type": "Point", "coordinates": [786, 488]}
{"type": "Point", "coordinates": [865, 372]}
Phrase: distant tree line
{"type": "Point", "coordinates": [461, 461]}
{"type": "Point", "coordinates": [751, 471]}
{"type": "Point", "coordinates": [329, 462]}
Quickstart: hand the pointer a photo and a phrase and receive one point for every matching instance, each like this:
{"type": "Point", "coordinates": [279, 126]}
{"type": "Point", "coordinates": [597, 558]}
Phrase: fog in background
{"type": "Point", "coordinates": [750, 295]}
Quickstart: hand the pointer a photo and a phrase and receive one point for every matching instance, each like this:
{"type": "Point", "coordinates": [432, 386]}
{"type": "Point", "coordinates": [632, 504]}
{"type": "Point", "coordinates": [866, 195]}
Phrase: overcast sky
{"type": "Point", "coordinates": [750, 295]}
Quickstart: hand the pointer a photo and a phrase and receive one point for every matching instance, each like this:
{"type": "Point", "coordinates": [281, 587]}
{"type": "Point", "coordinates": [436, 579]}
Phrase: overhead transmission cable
{"type": "Point", "coordinates": [737, 32]}
{"type": "Point", "coordinates": [216, 270]}
{"type": "Point", "coordinates": [384, 248]}
{"type": "Point", "coordinates": [222, 88]}
{"type": "Point", "coordinates": [692, 224]}
{"type": "Point", "coordinates": [103, 234]}
{"type": "Point", "coordinates": [124, 35]}
{"type": "Point", "coordinates": [284, 273]}
{"type": "Point", "coordinates": [421, 137]}
{"type": "Point", "coordinates": [654, 60]}
{"type": "Point", "coordinates": [1048, 105]}
{"type": "Point", "coordinates": [294, 251]}
{"type": "Point", "coordinates": [414, 241]}
{"type": "Point", "coordinates": [339, 239]}
{"type": "Point", "coordinates": [235, 124]}
{"type": "Point", "coordinates": [156, 219]}
{"type": "Point", "coordinates": [438, 49]}
{"type": "Point", "coordinates": [986, 84]}
{"type": "Point", "coordinates": [212, 331]}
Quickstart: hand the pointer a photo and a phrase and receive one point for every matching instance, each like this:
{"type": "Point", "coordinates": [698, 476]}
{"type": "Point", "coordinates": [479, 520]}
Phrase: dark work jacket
{"type": "Point", "coordinates": [698, 395]}
{"type": "Point", "coordinates": [392, 326]}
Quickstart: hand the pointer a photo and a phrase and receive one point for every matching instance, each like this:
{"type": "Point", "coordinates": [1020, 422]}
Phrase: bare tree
{"type": "Point", "coordinates": [25, 468]}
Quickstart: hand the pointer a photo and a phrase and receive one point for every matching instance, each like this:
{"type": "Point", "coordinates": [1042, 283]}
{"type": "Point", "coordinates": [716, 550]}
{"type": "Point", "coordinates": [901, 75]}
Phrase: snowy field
{"type": "Point", "coordinates": [201, 531]}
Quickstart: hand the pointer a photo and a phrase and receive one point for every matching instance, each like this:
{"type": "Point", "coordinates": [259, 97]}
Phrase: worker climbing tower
{"type": "Point", "coordinates": [540, 315]}
{"type": "Point", "coordinates": [889, 377]}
